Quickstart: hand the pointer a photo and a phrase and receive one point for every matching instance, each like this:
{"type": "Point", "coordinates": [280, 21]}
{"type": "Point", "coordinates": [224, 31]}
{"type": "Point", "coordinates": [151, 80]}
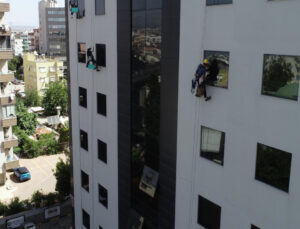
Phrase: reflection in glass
{"type": "Point", "coordinates": [281, 76]}
{"type": "Point", "coordinates": [212, 145]}
{"type": "Point", "coordinates": [273, 166]}
{"type": "Point", "coordinates": [222, 61]}
{"type": "Point", "coordinates": [145, 108]}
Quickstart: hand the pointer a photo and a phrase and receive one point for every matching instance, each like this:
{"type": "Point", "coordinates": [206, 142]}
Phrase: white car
{"type": "Point", "coordinates": [29, 226]}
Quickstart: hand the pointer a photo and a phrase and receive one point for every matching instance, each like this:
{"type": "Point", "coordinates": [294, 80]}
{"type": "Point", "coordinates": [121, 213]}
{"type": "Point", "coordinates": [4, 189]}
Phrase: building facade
{"type": "Point", "coordinates": [8, 159]}
{"type": "Point", "coordinates": [148, 153]}
{"type": "Point", "coordinates": [39, 71]}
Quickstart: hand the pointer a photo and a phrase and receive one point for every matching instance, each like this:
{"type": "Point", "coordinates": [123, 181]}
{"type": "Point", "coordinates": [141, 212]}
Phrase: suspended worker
{"type": "Point", "coordinates": [213, 72]}
{"type": "Point", "coordinates": [200, 74]}
{"type": "Point", "coordinates": [90, 58]}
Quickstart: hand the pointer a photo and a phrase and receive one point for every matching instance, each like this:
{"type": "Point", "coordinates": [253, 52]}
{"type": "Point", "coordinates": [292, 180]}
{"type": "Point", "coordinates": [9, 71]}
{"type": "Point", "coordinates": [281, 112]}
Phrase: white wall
{"type": "Point", "coordinates": [248, 30]}
{"type": "Point", "coordinates": [95, 29]}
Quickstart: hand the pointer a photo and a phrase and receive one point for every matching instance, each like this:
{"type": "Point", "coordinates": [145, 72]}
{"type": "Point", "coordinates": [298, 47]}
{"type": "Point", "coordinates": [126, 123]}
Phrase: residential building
{"type": "Point", "coordinates": [31, 40]}
{"type": "Point", "coordinates": [17, 45]}
{"type": "Point", "coordinates": [39, 71]}
{"type": "Point", "coordinates": [8, 159]}
{"type": "Point", "coordinates": [37, 39]}
{"type": "Point", "coordinates": [148, 153]}
{"type": "Point", "coordinates": [52, 28]}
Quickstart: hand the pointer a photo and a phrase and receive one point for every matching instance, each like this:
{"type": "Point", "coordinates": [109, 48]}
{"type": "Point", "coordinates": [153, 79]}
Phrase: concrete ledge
{"type": "Point", "coordinates": [6, 55]}
{"type": "Point", "coordinates": [11, 164]}
{"type": "Point", "coordinates": [13, 142]}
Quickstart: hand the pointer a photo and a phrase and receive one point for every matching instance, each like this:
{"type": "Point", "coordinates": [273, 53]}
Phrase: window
{"type": "Point", "coordinates": [57, 19]}
{"type": "Point", "coordinates": [84, 140]}
{"type": "Point", "coordinates": [100, 227]}
{"type": "Point", "coordinates": [212, 145]}
{"type": "Point", "coordinates": [85, 219]}
{"type": "Point", "coordinates": [281, 76]}
{"type": "Point", "coordinates": [52, 69]}
{"type": "Point", "coordinates": [99, 7]}
{"type": "Point", "coordinates": [101, 55]}
{"type": "Point", "coordinates": [102, 151]}
{"type": "Point", "coordinates": [103, 195]}
{"type": "Point", "coordinates": [43, 80]}
{"type": "Point", "coordinates": [81, 52]}
{"type": "Point", "coordinates": [85, 181]}
{"type": "Point", "coordinates": [42, 69]}
{"type": "Point", "coordinates": [56, 26]}
{"type": "Point", "coordinates": [217, 2]}
{"type": "Point", "coordinates": [81, 8]}
{"type": "Point", "coordinates": [53, 79]}
{"type": "Point", "coordinates": [218, 70]}
{"type": "Point", "coordinates": [82, 97]}
{"type": "Point", "coordinates": [254, 227]}
{"type": "Point", "coordinates": [8, 111]}
{"type": "Point", "coordinates": [273, 167]}
{"type": "Point", "coordinates": [209, 214]}
{"type": "Point", "coordinates": [101, 104]}
{"type": "Point", "coordinates": [56, 12]}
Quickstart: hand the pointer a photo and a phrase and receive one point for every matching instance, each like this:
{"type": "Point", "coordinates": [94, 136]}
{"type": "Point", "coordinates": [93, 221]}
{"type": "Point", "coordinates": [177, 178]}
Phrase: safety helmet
{"type": "Point", "coordinates": [205, 61]}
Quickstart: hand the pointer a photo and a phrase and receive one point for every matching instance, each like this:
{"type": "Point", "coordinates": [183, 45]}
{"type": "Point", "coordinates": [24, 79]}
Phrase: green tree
{"type": "Point", "coordinates": [56, 95]}
{"type": "Point", "coordinates": [15, 206]}
{"type": "Point", "coordinates": [32, 99]}
{"type": "Point", "coordinates": [26, 121]}
{"type": "Point", "coordinates": [47, 145]}
{"type": "Point", "coordinates": [16, 65]}
{"type": "Point", "coordinates": [63, 176]}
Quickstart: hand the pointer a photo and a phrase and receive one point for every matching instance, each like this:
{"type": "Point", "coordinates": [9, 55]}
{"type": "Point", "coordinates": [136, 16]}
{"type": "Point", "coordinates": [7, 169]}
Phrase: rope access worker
{"type": "Point", "coordinates": [213, 72]}
{"type": "Point", "coordinates": [91, 58]}
{"type": "Point", "coordinates": [200, 72]}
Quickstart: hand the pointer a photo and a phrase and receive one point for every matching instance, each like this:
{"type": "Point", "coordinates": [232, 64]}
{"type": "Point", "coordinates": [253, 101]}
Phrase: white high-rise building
{"type": "Point", "coordinates": [43, 5]}
{"type": "Point", "coordinates": [7, 100]}
{"type": "Point", "coordinates": [147, 153]}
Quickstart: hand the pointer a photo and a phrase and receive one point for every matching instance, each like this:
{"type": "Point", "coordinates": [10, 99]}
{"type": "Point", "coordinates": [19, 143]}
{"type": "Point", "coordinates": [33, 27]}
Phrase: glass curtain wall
{"type": "Point", "coordinates": [145, 109]}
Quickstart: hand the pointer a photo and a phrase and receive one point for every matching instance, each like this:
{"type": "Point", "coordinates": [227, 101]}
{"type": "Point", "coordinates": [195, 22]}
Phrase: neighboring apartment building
{"type": "Point", "coordinates": [8, 159]}
{"type": "Point", "coordinates": [39, 71]}
{"type": "Point", "coordinates": [36, 39]}
{"type": "Point", "coordinates": [43, 4]}
{"type": "Point", "coordinates": [147, 153]}
{"type": "Point", "coordinates": [17, 45]}
{"type": "Point", "coordinates": [31, 41]}
{"type": "Point", "coordinates": [52, 28]}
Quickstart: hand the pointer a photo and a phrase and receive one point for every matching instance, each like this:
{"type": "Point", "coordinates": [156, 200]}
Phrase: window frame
{"type": "Point", "coordinates": [85, 145]}
{"type": "Point", "coordinates": [84, 102]}
{"type": "Point", "coordinates": [84, 213]}
{"type": "Point", "coordinates": [81, 55]}
{"type": "Point", "coordinates": [101, 110]}
{"type": "Point", "coordinates": [102, 154]}
{"type": "Point", "coordinates": [101, 57]}
{"type": "Point", "coordinates": [102, 12]}
{"type": "Point", "coordinates": [215, 209]}
{"type": "Point", "coordinates": [101, 189]}
{"type": "Point", "coordinates": [84, 185]}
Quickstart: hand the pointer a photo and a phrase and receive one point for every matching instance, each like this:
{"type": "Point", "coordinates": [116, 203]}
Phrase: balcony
{"type": "Point", "coordinates": [6, 54]}
{"type": "Point", "coordinates": [4, 31]}
{"type": "Point", "coordinates": [11, 162]}
{"type": "Point", "coordinates": [6, 77]}
{"type": "Point", "coordinates": [4, 7]}
{"type": "Point", "coordinates": [7, 122]}
{"type": "Point", "coordinates": [7, 100]}
{"type": "Point", "coordinates": [10, 142]}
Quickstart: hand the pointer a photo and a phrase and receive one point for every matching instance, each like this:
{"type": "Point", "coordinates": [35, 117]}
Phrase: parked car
{"type": "Point", "coordinates": [29, 226]}
{"type": "Point", "coordinates": [22, 173]}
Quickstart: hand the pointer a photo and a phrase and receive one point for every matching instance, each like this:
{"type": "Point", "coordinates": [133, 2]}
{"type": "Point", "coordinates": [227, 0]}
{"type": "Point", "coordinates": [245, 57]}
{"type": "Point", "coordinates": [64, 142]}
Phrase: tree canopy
{"type": "Point", "coordinates": [56, 95]}
{"type": "Point", "coordinates": [26, 121]}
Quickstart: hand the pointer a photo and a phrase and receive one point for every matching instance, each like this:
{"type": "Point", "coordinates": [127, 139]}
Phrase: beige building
{"type": "Point", "coordinates": [39, 71]}
{"type": "Point", "coordinates": [7, 100]}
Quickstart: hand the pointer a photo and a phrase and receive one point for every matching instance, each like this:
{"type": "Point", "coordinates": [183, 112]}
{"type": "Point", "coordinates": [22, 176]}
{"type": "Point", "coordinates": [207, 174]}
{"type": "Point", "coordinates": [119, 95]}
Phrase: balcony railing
{"type": "Point", "coordinates": [10, 142]}
{"type": "Point", "coordinates": [12, 162]}
{"type": "Point", "coordinates": [6, 77]}
{"type": "Point", "coordinates": [4, 7]}
{"type": "Point", "coordinates": [9, 121]}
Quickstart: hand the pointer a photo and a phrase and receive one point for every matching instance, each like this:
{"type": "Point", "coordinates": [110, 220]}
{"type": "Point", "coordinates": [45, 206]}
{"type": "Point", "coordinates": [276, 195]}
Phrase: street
{"type": "Point", "coordinates": [42, 178]}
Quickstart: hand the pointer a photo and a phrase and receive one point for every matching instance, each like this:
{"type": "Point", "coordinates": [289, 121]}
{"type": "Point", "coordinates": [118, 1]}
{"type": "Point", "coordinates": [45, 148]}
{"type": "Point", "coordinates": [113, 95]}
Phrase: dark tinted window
{"type": "Point", "coordinates": [100, 227]}
{"type": "Point", "coordinates": [101, 55]}
{"type": "Point", "coordinates": [81, 8]}
{"type": "Point", "coordinates": [99, 7]}
{"type": "Point", "coordinates": [101, 104]}
{"type": "Point", "coordinates": [254, 227]}
{"type": "Point", "coordinates": [217, 2]}
{"type": "Point", "coordinates": [84, 140]}
{"type": "Point", "coordinates": [102, 151]}
{"type": "Point", "coordinates": [273, 166]}
{"type": "Point", "coordinates": [85, 180]}
{"type": "Point", "coordinates": [82, 97]}
{"type": "Point", "coordinates": [281, 76]}
{"type": "Point", "coordinates": [209, 214]}
{"type": "Point", "coordinates": [103, 196]}
{"type": "Point", "coordinates": [85, 219]}
{"type": "Point", "coordinates": [81, 52]}
{"type": "Point", "coordinates": [212, 145]}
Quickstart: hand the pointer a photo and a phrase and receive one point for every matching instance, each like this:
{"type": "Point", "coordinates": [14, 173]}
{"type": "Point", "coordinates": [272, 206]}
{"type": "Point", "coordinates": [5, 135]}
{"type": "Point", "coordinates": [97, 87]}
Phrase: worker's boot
{"type": "Point", "coordinates": [207, 98]}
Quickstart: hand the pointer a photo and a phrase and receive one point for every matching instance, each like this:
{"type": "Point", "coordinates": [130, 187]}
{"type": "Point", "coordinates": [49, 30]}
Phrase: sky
{"type": "Point", "coordinates": [25, 12]}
